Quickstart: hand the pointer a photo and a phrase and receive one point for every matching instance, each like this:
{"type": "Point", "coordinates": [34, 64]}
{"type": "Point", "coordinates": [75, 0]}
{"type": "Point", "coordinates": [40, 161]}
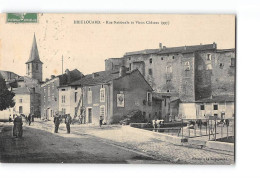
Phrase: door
{"type": "Point", "coordinates": [89, 115]}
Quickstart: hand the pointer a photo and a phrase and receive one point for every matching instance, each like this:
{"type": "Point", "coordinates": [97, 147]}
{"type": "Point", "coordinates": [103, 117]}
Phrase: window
{"type": "Point", "coordinates": [75, 96]}
{"type": "Point", "coordinates": [150, 71]}
{"type": "Point", "coordinates": [169, 69]}
{"type": "Point", "coordinates": [102, 94]}
{"type": "Point", "coordinates": [202, 107]}
{"type": "Point", "coordinates": [51, 114]}
{"type": "Point", "coordinates": [221, 65]}
{"type": "Point", "coordinates": [130, 66]}
{"type": "Point", "coordinates": [76, 88]}
{"type": "Point", "coordinates": [102, 111]}
{"type": "Point", "coordinates": [151, 60]}
{"type": "Point", "coordinates": [168, 91]}
{"type": "Point", "coordinates": [63, 89]}
{"type": "Point", "coordinates": [187, 66]}
{"type": "Point", "coordinates": [28, 67]}
{"type": "Point", "coordinates": [129, 58]}
{"type": "Point", "coordinates": [149, 97]}
{"type": "Point", "coordinates": [233, 61]}
{"type": "Point", "coordinates": [209, 57]}
{"type": "Point", "coordinates": [161, 58]}
{"type": "Point", "coordinates": [49, 90]}
{"type": "Point", "coordinates": [215, 107]}
{"type": "Point", "coordinates": [89, 96]}
{"type": "Point", "coordinates": [168, 81]}
{"type": "Point", "coordinates": [21, 100]}
{"type": "Point", "coordinates": [20, 109]}
{"type": "Point", "coordinates": [36, 66]}
{"type": "Point", "coordinates": [165, 102]}
{"type": "Point", "coordinates": [63, 110]}
{"type": "Point", "coordinates": [172, 57]}
{"type": "Point", "coordinates": [63, 99]}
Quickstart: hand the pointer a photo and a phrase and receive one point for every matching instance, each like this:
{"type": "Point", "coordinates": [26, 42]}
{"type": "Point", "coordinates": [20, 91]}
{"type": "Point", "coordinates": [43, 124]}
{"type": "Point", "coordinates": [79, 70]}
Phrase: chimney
{"type": "Point", "coordinates": [95, 75]}
{"type": "Point", "coordinates": [122, 71]}
{"type": "Point", "coordinates": [214, 45]}
{"type": "Point", "coordinates": [67, 71]}
{"type": "Point", "coordinates": [160, 46]}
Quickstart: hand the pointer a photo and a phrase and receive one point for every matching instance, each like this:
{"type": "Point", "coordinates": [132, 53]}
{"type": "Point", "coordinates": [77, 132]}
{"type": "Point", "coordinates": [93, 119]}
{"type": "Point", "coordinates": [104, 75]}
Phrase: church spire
{"type": "Point", "coordinates": [34, 55]}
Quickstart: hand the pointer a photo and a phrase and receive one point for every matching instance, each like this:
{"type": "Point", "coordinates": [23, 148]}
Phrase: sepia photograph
{"type": "Point", "coordinates": [118, 88]}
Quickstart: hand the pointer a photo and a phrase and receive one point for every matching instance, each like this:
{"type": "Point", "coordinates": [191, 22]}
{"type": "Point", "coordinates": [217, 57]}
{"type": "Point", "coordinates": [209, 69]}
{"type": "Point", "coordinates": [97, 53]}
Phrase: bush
{"type": "Point", "coordinates": [115, 119]}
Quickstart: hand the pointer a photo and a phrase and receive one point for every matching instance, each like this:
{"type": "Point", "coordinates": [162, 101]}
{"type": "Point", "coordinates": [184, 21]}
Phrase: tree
{"type": "Point", "coordinates": [6, 96]}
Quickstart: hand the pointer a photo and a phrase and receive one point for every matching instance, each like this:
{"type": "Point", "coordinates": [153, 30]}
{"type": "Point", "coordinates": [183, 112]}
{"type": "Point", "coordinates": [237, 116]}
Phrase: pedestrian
{"type": "Point", "coordinates": [100, 121]}
{"type": "Point", "coordinates": [56, 122]}
{"type": "Point", "coordinates": [32, 117]}
{"type": "Point", "coordinates": [18, 126]}
{"type": "Point", "coordinates": [68, 121]}
{"type": "Point", "coordinates": [29, 119]}
{"type": "Point", "coordinates": [10, 118]}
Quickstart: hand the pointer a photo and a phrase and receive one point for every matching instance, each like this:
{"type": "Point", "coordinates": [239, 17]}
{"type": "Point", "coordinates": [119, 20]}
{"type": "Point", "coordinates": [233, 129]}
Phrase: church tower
{"type": "Point", "coordinates": [34, 64]}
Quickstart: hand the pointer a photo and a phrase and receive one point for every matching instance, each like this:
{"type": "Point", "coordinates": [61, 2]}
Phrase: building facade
{"type": "Point", "coordinates": [187, 73]}
{"type": "Point", "coordinates": [111, 94]}
{"type": "Point", "coordinates": [50, 100]}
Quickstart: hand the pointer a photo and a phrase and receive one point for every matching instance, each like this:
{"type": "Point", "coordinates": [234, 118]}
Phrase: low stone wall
{"type": "Point", "coordinates": [220, 146]}
{"type": "Point", "coordinates": [179, 141]}
{"type": "Point", "coordinates": [160, 136]}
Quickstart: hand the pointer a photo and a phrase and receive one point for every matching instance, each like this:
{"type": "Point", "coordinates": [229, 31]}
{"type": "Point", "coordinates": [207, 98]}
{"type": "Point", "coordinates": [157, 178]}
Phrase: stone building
{"type": "Point", "coordinates": [187, 73]}
{"type": "Point", "coordinates": [111, 94]}
{"type": "Point", "coordinates": [49, 92]}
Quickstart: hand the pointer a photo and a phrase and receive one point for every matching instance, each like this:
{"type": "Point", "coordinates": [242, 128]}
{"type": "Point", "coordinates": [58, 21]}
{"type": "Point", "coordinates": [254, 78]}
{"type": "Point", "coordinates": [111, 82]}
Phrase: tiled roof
{"type": "Point", "coordinates": [182, 49]}
{"type": "Point", "coordinates": [22, 90]}
{"type": "Point", "coordinates": [69, 77]}
{"type": "Point", "coordinates": [218, 99]}
{"type": "Point", "coordinates": [99, 77]}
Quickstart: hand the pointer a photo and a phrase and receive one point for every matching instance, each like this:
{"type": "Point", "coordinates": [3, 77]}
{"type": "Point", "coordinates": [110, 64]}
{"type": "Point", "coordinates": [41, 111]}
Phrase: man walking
{"type": "Point", "coordinates": [18, 126]}
{"type": "Point", "coordinates": [29, 119]}
{"type": "Point", "coordinates": [56, 122]}
{"type": "Point", "coordinates": [68, 121]}
{"type": "Point", "coordinates": [100, 121]}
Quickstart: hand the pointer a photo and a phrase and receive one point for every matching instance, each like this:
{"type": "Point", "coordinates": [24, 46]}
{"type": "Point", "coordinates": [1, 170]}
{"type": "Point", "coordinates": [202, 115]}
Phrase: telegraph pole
{"type": "Point", "coordinates": [62, 64]}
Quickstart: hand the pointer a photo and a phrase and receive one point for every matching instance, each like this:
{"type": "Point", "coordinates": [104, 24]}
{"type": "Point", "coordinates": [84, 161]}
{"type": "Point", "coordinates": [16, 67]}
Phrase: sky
{"type": "Point", "coordinates": [86, 46]}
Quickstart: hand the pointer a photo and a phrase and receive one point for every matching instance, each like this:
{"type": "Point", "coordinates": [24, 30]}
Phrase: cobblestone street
{"type": "Point", "coordinates": [155, 148]}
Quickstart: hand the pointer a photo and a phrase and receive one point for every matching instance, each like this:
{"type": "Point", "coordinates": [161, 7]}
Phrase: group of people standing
{"type": "Point", "coordinates": [18, 119]}
{"type": "Point", "coordinates": [58, 120]}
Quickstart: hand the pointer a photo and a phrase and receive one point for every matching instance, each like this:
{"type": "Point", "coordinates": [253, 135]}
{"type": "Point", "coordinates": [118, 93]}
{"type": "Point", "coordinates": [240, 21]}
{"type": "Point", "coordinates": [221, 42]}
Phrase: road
{"type": "Point", "coordinates": [43, 146]}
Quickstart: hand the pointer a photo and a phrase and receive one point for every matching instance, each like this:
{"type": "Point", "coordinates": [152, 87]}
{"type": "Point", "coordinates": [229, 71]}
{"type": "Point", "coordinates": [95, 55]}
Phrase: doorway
{"type": "Point", "coordinates": [89, 115]}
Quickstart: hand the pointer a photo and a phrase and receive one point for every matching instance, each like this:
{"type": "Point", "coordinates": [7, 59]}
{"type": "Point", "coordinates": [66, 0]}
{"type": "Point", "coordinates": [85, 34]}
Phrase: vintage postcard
{"type": "Point", "coordinates": [117, 88]}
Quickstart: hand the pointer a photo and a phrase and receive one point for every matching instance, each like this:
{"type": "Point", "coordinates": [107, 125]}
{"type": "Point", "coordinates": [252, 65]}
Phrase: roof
{"type": "Point", "coordinates": [67, 78]}
{"type": "Point", "coordinates": [181, 49]}
{"type": "Point", "coordinates": [34, 55]}
{"type": "Point", "coordinates": [218, 99]}
{"type": "Point", "coordinates": [99, 77]}
{"type": "Point", "coordinates": [22, 90]}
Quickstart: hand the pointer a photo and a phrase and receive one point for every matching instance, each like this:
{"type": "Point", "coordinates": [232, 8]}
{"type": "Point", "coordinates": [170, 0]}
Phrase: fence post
{"type": "Point", "coordinates": [209, 131]}
{"type": "Point", "coordinates": [195, 129]}
{"type": "Point", "coordinates": [215, 129]}
{"type": "Point", "coordinates": [182, 128]}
